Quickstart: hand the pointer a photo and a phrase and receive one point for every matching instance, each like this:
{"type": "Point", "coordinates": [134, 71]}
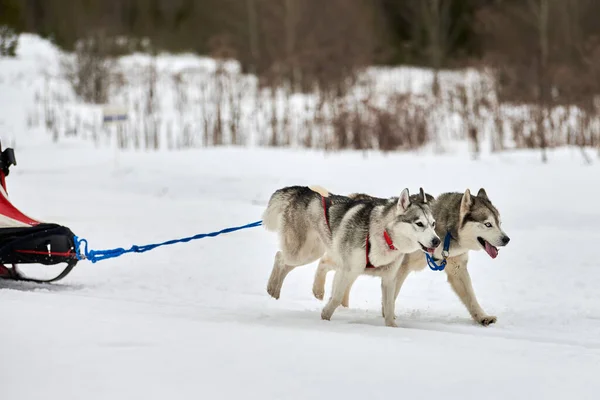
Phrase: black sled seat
{"type": "Point", "coordinates": [24, 240]}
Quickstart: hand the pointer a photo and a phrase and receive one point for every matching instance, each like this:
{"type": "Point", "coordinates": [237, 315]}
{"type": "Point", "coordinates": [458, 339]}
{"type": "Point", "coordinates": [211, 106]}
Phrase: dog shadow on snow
{"type": "Point", "coordinates": [362, 320]}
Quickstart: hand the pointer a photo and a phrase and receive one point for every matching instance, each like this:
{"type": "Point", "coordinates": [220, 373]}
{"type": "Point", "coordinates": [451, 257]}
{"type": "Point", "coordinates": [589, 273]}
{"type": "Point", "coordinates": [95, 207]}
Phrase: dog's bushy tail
{"type": "Point", "coordinates": [281, 199]}
{"type": "Point", "coordinates": [272, 216]}
{"type": "Point", "coordinates": [320, 190]}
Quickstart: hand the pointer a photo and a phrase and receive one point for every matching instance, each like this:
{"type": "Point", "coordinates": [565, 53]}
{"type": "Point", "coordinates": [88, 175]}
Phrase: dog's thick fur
{"type": "Point", "coordinates": [307, 231]}
{"type": "Point", "coordinates": [474, 224]}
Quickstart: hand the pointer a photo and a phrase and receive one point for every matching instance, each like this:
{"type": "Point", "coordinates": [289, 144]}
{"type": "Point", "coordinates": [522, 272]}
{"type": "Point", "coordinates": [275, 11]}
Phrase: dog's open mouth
{"type": "Point", "coordinates": [491, 250]}
{"type": "Point", "coordinates": [429, 250]}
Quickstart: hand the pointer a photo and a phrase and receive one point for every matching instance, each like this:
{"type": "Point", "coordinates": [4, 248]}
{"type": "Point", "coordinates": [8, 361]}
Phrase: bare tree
{"type": "Point", "coordinates": [9, 40]}
{"type": "Point", "coordinates": [253, 36]}
{"type": "Point", "coordinates": [435, 16]}
{"type": "Point", "coordinates": [92, 69]}
{"type": "Point", "coordinates": [540, 9]}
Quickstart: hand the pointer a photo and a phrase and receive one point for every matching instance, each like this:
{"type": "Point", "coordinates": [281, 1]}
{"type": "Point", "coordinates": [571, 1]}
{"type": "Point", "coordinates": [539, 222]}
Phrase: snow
{"type": "Point", "coordinates": [194, 320]}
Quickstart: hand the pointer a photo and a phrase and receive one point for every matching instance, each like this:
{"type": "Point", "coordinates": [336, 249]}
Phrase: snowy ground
{"type": "Point", "coordinates": [194, 320]}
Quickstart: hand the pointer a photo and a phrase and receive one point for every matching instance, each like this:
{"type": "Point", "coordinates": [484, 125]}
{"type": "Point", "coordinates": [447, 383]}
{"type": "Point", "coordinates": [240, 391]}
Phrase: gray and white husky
{"type": "Point", "coordinates": [472, 222]}
{"type": "Point", "coordinates": [355, 233]}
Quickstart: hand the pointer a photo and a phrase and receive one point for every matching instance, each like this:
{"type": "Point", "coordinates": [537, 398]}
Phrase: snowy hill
{"type": "Point", "coordinates": [194, 320]}
{"type": "Point", "coordinates": [186, 101]}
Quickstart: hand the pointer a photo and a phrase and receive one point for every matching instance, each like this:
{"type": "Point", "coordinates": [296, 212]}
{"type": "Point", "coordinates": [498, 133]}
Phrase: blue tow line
{"type": "Point", "coordinates": [431, 261]}
{"type": "Point", "coordinates": [83, 253]}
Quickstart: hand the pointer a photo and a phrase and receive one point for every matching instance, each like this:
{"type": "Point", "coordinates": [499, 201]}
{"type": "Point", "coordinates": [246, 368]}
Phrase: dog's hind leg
{"type": "Point", "coordinates": [460, 280]}
{"type": "Point", "coordinates": [346, 299]}
{"type": "Point", "coordinates": [342, 282]}
{"type": "Point", "coordinates": [325, 265]}
{"type": "Point", "coordinates": [280, 271]}
{"type": "Point", "coordinates": [275, 280]}
{"type": "Point", "coordinates": [286, 261]}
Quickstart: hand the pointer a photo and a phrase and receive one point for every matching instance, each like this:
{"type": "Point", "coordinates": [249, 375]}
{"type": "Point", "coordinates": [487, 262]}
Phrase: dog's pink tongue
{"type": "Point", "coordinates": [491, 250]}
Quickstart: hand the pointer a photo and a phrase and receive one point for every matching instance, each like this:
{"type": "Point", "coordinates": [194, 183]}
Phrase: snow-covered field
{"type": "Point", "coordinates": [194, 320]}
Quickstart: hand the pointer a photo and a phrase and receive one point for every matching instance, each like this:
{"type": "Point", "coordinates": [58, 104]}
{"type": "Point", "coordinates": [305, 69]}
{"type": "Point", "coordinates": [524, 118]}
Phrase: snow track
{"type": "Point", "coordinates": [194, 320]}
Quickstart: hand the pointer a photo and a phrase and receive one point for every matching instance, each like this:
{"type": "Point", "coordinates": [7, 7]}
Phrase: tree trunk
{"type": "Point", "coordinates": [253, 34]}
{"type": "Point", "coordinates": [544, 89]}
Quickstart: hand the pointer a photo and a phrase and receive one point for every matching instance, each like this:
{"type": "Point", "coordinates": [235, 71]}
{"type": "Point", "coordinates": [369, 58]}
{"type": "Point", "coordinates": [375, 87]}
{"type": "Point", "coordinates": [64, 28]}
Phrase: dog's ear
{"type": "Point", "coordinates": [482, 194]}
{"type": "Point", "coordinates": [403, 201]}
{"type": "Point", "coordinates": [423, 197]}
{"type": "Point", "coordinates": [465, 204]}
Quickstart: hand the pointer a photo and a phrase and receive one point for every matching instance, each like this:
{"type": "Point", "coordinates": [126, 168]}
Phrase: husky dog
{"type": "Point", "coordinates": [472, 222]}
{"type": "Point", "coordinates": [326, 264]}
{"type": "Point", "coordinates": [355, 233]}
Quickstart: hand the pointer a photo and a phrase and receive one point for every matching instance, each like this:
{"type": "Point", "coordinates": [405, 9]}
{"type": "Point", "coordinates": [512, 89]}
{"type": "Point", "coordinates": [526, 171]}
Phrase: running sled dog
{"type": "Point", "coordinates": [472, 222]}
{"type": "Point", "coordinates": [357, 235]}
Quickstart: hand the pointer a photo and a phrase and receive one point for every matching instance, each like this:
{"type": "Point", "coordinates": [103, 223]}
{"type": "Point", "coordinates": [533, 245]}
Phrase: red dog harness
{"type": "Point", "coordinates": [389, 242]}
{"type": "Point", "coordinates": [386, 236]}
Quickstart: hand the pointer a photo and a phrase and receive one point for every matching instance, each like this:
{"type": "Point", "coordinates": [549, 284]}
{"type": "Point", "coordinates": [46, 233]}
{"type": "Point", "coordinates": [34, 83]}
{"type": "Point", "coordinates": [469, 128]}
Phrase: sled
{"type": "Point", "coordinates": [24, 240]}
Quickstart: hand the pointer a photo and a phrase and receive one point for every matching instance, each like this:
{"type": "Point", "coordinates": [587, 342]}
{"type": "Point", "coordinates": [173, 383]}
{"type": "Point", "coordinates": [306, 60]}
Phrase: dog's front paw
{"type": "Point", "coordinates": [273, 289]}
{"type": "Point", "coordinates": [391, 324]}
{"type": "Point", "coordinates": [326, 313]}
{"type": "Point", "coordinates": [346, 302]}
{"type": "Point", "coordinates": [487, 320]}
{"type": "Point", "coordinates": [319, 293]}
{"type": "Point", "coordinates": [383, 313]}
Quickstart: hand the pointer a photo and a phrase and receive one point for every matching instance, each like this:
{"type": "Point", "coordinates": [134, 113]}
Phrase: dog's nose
{"type": "Point", "coordinates": [505, 240]}
{"type": "Point", "coordinates": [435, 242]}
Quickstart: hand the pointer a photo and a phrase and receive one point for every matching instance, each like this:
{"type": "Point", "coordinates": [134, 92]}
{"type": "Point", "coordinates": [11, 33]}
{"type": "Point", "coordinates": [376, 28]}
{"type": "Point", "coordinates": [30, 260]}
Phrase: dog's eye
{"type": "Point", "coordinates": [488, 224]}
{"type": "Point", "coordinates": [420, 224]}
{"type": "Point", "coordinates": [433, 225]}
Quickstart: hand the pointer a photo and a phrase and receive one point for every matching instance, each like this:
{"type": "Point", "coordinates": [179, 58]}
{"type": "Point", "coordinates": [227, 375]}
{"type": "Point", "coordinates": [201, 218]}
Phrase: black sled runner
{"type": "Point", "coordinates": [24, 240]}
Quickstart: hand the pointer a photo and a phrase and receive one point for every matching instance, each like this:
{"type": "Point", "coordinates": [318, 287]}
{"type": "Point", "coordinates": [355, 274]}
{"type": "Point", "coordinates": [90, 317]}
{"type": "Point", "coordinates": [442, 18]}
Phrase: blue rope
{"type": "Point", "coordinates": [99, 255]}
{"type": "Point", "coordinates": [431, 261]}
